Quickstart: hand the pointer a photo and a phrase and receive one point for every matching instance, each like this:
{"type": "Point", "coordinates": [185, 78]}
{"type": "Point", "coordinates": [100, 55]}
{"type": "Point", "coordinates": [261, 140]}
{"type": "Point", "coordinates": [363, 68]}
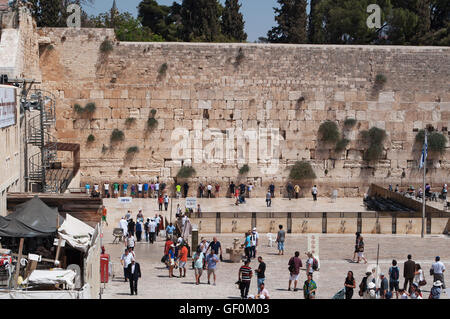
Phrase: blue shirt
{"type": "Point", "coordinates": [170, 229]}
{"type": "Point", "coordinates": [145, 187]}
{"type": "Point", "coordinates": [212, 261]}
{"type": "Point", "coordinates": [138, 227]}
{"type": "Point", "coordinates": [125, 186]}
{"type": "Point", "coordinates": [87, 186]}
{"type": "Point", "coordinates": [248, 241]}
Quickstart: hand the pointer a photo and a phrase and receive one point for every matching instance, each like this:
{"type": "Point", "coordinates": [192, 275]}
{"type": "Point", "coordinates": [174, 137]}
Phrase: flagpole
{"type": "Point", "coordinates": [425, 151]}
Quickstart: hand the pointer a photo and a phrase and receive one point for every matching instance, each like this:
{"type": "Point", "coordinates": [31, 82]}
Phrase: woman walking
{"type": "Point", "coordinates": [358, 236]}
{"type": "Point", "coordinates": [349, 285]}
{"type": "Point", "coordinates": [198, 264]}
{"type": "Point", "coordinates": [361, 250]}
{"type": "Point", "coordinates": [419, 279]}
{"type": "Point", "coordinates": [171, 260]}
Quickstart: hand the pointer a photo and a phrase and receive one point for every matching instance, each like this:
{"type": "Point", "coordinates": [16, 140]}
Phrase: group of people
{"type": "Point", "coordinates": [139, 190]}
{"type": "Point", "coordinates": [429, 195]}
{"type": "Point", "coordinates": [132, 230]}
{"type": "Point", "coordinates": [387, 286]}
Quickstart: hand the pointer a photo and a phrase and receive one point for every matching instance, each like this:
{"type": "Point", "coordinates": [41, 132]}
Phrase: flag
{"type": "Point", "coordinates": [424, 156]}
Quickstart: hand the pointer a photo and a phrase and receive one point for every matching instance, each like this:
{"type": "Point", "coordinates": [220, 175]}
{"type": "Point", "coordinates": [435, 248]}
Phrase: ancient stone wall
{"type": "Point", "coordinates": [207, 90]}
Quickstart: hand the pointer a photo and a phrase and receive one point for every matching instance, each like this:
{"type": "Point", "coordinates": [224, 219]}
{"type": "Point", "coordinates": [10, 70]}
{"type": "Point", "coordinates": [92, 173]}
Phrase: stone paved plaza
{"type": "Point", "coordinates": [334, 252]}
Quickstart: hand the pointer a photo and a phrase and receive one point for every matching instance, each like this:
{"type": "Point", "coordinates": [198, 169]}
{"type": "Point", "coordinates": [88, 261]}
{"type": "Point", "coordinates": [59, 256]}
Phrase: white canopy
{"type": "Point", "coordinates": [51, 277]}
{"type": "Point", "coordinates": [76, 233]}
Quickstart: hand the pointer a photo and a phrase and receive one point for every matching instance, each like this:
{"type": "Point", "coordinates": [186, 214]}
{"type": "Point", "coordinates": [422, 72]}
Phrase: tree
{"type": "Point", "coordinates": [50, 13]}
{"type": "Point", "coordinates": [312, 20]}
{"type": "Point", "coordinates": [233, 21]}
{"type": "Point", "coordinates": [162, 20]}
{"type": "Point", "coordinates": [291, 19]}
{"type": "Point", "coordinates": [201, 20]}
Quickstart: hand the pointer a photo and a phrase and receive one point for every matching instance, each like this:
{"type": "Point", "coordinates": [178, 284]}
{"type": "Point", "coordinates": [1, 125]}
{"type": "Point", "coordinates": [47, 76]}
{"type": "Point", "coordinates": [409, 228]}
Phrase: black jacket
{"type": "Point", "coordinates": [409, 269]}
{"type": "Point", "coordinates": [137, 271]}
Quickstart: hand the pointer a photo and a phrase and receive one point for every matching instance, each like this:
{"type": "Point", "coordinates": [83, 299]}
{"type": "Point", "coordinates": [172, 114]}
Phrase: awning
{"type": "Point", "coordinates": [76, 233]}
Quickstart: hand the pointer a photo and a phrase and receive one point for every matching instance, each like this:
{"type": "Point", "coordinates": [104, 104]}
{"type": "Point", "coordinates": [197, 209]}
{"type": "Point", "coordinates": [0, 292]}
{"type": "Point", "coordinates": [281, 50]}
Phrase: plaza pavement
{"type": "Point", "coordinates": [334, 252]}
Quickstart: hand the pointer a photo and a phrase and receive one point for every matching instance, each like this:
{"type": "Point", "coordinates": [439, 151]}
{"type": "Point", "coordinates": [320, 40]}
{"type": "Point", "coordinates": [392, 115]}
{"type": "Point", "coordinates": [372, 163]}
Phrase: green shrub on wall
{"type": "Point", "coordinates": [329, 132]}
{"type": "Point", "coordinates": [375, 138]}
{"type": "Point", "coordinates": [130, 121]}
{"type": "Point", "coordinates": [91, 138]}
{"type": "Point", "coordinates": [341, 145]}
{"type": "Point", "coordinates": [302, 170]}
{"type": "Point", "coordinates": [350, 123]}
{"type": "Point", "coordinates": [117, 136]}
{"type": "Point", "coordinates": [436, 141]}
{"type": "Point", "coordinates": [106, 46]}
{"type": "Point", "coordinates": [186, 172]}
{"type": "Point", "coordinates": [244, 169]}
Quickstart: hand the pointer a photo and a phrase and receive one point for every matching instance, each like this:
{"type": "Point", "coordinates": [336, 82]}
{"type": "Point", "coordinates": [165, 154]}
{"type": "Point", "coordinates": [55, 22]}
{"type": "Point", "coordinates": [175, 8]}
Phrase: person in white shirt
{"type": "Point", "coordinates": [314, 192]}
{"type": "Point", "coordinates": [125, 260]}
{"type": "Point", "coordinates": [140, 190]}
{"type": "Point", "coordinates": [437, 270]}
{"type": "Point", "coordinates": [263, 294]}
{"type": "Point", "coordinates": [124, 225]}
{"type": "Point", "coordinates": [152, 230]}
{"type": "Point", "coordinates": [309, 264]}
{"type": "Point", "coordinates": [157, 188]}
{"type": "Point", "coordinates": [130, 242]}
{"type": "Point", "coordinates": [254, 243]}
{"type": "Point", "coordinates": [418, 275]}
{"type": "Point", "coordinates": [106, 186]}
{"type": "Point", "coordinates": [209, 188]}
{"type": "Point", "coordinates": [157, 221]}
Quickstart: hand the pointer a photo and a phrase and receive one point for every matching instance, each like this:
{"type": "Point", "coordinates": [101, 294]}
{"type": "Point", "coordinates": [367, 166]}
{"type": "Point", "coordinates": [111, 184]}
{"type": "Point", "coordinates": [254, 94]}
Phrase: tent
{"type": "Point", "coordinates": [76, 233]}
{"type": "Point", "coordinates": [31, 219]}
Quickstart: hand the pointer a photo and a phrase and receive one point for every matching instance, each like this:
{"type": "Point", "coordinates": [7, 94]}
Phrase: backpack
{"type": "Point", "coordinates": [315, 264]}
{"type": "Point", "coordinates": [395, 273]}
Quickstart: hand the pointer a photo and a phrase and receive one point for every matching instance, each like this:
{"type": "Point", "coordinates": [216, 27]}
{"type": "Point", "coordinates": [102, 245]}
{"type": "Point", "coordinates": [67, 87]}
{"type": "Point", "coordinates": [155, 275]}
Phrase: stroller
{"type": "Point", "coordinates": [340, 294]}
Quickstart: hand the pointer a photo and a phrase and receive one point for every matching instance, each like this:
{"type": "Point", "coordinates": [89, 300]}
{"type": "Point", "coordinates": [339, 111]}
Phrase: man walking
{"type": "Point", "coordinates": [294, 269]}
{"type": "Point", "coordinates": [280, 240]}
{"type": "Point", "coordinates": [437, 270]}
{"type": "Point", "coordinates": [245, 277]}
{"type": "Point", "coordinates": [182, 258]}
{"type": "Point", "coordinates": [309, 288]}
{"type": "Point", "coordinates": [260, 273]}
{"type": "Point", "coordinates": [384, 285]}
{"type": "Point", "coordinates": [209, 189]}
{"type": "Point", "coordinates": [408, 273]}
{"type": "Point", "coordinates": [211, 261]}
{"type": "Point", "coordinates": [125, 260]}
{"type": "Point", "coordinates": [152, 231]}
{"type": "Point", "coordinates": [216, 246]}
{"type": "Point", "coordinates": [134, 273]}
{"type": "Point", "coordinates": [269, 199]}
{"type": "Point", "coordinates": [314, 192]}
{"type": "Point", "coordinates": [166, 202]}
{"type": "Point", "coordinates": [254, 243]}
{"type": "Point", "coordinates": [104, 212]}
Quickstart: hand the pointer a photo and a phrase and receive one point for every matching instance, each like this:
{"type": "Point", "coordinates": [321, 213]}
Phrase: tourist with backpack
{"type": "Point", "coordinates": [394, 277]}
{"type": "Point", "coordinates": [294, 270]}
{"type": "Point", "coordinates": [312, 264]}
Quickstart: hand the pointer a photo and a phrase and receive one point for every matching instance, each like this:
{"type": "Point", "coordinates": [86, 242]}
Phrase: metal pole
{"type": "Point", "coordinates": [423, 190]}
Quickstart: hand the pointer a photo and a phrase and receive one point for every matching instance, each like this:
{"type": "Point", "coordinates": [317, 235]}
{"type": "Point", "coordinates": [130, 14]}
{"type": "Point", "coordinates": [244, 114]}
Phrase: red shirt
{"type": "Point", "coordinates": [167, 247]}
{"type": "Point", "coordinates": [160, 199]}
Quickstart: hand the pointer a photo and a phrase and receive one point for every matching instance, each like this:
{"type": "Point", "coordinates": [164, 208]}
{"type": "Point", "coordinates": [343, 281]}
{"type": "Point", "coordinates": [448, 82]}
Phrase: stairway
{"type": "Point", "coordinates": [38, 135]}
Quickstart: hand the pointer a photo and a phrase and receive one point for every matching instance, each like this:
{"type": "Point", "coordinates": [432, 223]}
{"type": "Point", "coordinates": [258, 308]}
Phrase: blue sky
{"type": "Point", "coordinates": [258, 14]}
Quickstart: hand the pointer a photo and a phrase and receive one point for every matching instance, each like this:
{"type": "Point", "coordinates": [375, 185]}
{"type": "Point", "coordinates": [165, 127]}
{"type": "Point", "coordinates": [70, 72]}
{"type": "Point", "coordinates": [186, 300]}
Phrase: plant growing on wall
{"type": "Point", "coordinates": [130, 121]}
{"type": "Point", "coordinates": [117, 136]}
{"type": "Point", "coordinates": [152, 123]}
{"type": "Point", "coordinates": [350, 123]}
{"type": "Point", "coordinates": [120, 172]}
{"type": "Point", "coordinates": [341, 145]}
{"type": "Point", "coordinates": [78, 109]}
{"type": "Point", "coordinates": [329, 132]}
{"type": "Point", "coordinates": [375, 138]}
{"type": "Point", "coordinates": [106, 46]}
{"type": "Point", "coordinates": [90, 139]}
{"type": "Point", "coordinates": [90, 108]}
{"type": "Point", "coordinates": [244, 169]}
{"type": "Point", "coordinates": [133, 150]}
{"type": "Point", "coordinates": [104, 149]}
{"type": "Point", "coordinates": [302, 170]}
{"type": "Point", "coordinates": [162, 70]}
{"type": "Point", "coordinates": [239, 58]}
{"type": "Point", "coordinates": [436, 141]}
{"type": "Point", "coordinates": [186, 172]}
{"type": "Point", "coordinates": [380, 80]}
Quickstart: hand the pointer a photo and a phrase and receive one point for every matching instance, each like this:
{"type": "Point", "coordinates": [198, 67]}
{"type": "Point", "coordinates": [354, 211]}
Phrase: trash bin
{"type": "Point", "coordinates": [104, 268]}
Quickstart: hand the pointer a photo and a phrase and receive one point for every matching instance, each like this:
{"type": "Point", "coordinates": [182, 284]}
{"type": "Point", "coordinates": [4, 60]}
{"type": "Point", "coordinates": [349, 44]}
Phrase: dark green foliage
{"type": "Point", "coordinates": [380, 80]}
{"type": "Point", "coordinates": [186, 172]}
{"type": "Point", "coordinates": [163, 21]}
{"type": "Point", "coordinates": [350, 123]}
{"type": "Point", "coordinates": [152, 123]}
{"type": "Point", "coordinates": [233, 21]}
{"type": "Point", "coordinates": [132, 150]}
{"type": "Point", "coordinates": [130, 121]}
{"type": "Point", "coordinates": [117, 136]}
{"type": "Point", "coordinates": [91, 138]}
{"type": "Point", "coordinates": [329, 132]}
{"type": "Point", "coordinates": [302, 171]}
{"type": "Point", "coordinates": [375, 138]}
{"type": "Point", "coordinates": [341, 145]}
{"type": "Point", "coordinates": [106, 46]}
{"type": "Point", "coordinates": [291, 19]}
{"type": "Point", "coordinates": [90, 108]}
{"type": "Point", "coordinates": [153, 112]}
{"type": "Point", "coordinates": [78, 108]}
{"type": "Point", "coordinates": [436, 141]}
{"type": "Point", "coordinates": [244, 169]}
{"type": "Point", "coordinates": [201, 20]}
{"type": "Point", "coordinates": [163, 69]}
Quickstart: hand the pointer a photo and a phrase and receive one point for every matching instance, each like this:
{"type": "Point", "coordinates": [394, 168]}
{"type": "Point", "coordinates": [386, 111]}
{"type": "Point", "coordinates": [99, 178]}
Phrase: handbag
{"type": "Point", "coordinates": [163, 259]}
{"type": "Point", "coordinates": [422, 282]}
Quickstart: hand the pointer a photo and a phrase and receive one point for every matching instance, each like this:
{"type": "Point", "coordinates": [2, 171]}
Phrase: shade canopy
{"type": "Point", "coordinates": [31, 219]}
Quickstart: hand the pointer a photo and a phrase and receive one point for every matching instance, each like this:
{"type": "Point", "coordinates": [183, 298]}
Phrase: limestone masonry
{"type": "Point", "coordinates": [290, 89]}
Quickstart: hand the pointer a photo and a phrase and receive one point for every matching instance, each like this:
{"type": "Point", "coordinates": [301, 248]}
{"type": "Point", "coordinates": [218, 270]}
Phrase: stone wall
{"type": "Point", "coordinates": [208, 89]}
